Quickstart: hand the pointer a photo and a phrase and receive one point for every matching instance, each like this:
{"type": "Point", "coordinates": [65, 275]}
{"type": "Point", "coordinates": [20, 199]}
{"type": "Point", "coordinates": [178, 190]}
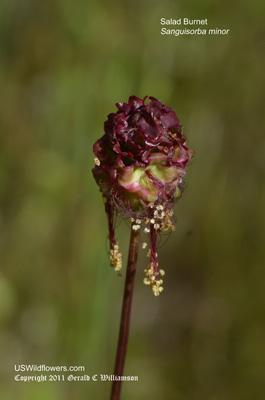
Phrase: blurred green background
{"type": "Point", "coordinates": [63, 65]}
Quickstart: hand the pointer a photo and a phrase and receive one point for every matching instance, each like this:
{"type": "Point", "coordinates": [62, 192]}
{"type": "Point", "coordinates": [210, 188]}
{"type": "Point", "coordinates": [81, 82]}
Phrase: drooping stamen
{"type": "Point", "coordinates": [153, 253]}
{"type": "Point", "coordinates": [152, 274]}
{"type": "Point", "coordinates": [114, 253]}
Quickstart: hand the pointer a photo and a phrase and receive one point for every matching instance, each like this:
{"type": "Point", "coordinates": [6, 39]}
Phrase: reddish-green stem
{"type": "Point", "coordinates": [126, 313]}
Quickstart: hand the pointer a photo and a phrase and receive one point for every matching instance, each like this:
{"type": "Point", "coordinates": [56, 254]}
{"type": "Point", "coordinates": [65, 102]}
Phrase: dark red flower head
{"type": "Point", "coordinates": [140, 164]}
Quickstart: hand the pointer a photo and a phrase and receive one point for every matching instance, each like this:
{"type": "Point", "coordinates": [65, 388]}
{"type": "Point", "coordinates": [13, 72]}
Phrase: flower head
{"type": "Point", "coordinates": [140, 167]}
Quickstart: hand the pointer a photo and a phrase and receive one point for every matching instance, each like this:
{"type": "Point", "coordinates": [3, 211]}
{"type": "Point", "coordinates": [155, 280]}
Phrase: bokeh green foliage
{"type": "Point", "coordinates": [63, 65]}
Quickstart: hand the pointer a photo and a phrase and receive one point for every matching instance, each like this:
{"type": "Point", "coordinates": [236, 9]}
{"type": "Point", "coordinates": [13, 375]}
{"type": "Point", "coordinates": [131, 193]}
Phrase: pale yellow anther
{"type": "Point", "coordinates": [162, 272]}
{"type": "Point", "coordinates": [144, 245]}
{"type": "Point", "coordinates": [138, 221]}
{"type": "Point", "coordinates": [115, 258]}
{"type": "Point", "coordinates": [96, 161]}
{"type": "Point", "coordinates": [155, 290]}
{"type": "Point", "coordinates": [136, 227]}
{"type": "Point", "coordinates": [156, 226]}
{"type": "Point", "coordinates": [146, 230]}
{"type": "Point", "coordinates": [152, 221]}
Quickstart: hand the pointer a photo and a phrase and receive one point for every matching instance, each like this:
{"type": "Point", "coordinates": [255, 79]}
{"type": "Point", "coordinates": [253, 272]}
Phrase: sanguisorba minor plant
{"type": "Point", "coordinates": [140, 167]}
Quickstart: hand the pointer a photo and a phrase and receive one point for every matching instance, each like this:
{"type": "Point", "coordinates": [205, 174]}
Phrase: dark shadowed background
{"type": "Point", "coordinates": [63, 66]}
